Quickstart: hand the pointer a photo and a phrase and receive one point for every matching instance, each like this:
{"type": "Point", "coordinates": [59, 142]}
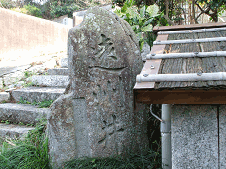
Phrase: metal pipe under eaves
{"type": "Point", "coordinates": [181, 77]}
{"type": "Point", "coordinates": [192, 31]}
{"type": "Point", "coordinates": [215, 39]}
{"type": "Point", "coordinates": [166, 137]}
{"type": "Point", "coordinates": [165, 130]}
{"type": "Point", "coordinates": [186, 55]}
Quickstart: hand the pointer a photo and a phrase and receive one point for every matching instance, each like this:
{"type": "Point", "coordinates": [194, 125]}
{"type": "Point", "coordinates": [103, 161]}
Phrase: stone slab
{"type": "Point", "coordinates": [37, 94]}
{"type": "Point", "coordinates": [194, 136]}
{"type": "Point", "coordinates": [4, 96]}
{"type": "Point", "coordinates": [222, 135]}
{"type": "Point", "coordinates": [96, 117]}
{"type": "Point", "coordinates": [58, 71]}
{"type": "Point", "coordinates": [13, 131]}
{"type": "Point", "coordinates": [64, 62]}
{"type": "Point", "coordinates": [24, 113]}
{"type": "Point", "coordinates": [51, 80]}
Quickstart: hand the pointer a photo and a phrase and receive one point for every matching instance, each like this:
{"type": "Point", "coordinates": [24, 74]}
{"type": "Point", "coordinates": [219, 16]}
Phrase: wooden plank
{"type": "Point", "coordinates": [152, 66]}
{"type": "Point", "coordinates": [181, 96]}
{"type": "Point", "coordinates": [185, 27]}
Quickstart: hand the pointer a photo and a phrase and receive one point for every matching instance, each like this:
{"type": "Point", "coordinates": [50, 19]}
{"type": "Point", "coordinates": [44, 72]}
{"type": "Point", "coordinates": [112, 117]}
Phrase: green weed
{"type": "Point", "coordinates": [28, 84]}
{"type": "Point", "coordinates": [28, 74]}
{"type": "Point", "coordinates": [42, 104]}
{"type": "Point", "coordinates": [21, 124]}
{"type": "Point", "coordinates": [5, 121]}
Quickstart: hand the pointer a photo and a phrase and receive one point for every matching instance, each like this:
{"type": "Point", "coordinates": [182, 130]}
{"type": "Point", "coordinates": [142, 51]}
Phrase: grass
{"type": "Point", "coordinates": [132, 161]}
{"type": "Point", "coordinates": [32, 153]}
{"type": "Point", "coordinates": [42, 104]}
{"type": "Point", "coordinates": [29, 153]}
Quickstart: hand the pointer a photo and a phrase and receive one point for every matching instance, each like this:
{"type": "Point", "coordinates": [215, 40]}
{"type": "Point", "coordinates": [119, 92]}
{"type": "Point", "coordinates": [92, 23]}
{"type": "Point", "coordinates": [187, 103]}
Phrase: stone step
{"type": "Point", "coordinates": [37, 94]}
{"type": "Point", "coordinates": [58, 71]}
{"type": "Point", "coordinates": [64, 63]}
{"type": "Point", "coordinates": [22, 113]}
{"type": "Point", "coordinates": [50, 80]}
{"type": "Point", "coordinates": [13, 131]}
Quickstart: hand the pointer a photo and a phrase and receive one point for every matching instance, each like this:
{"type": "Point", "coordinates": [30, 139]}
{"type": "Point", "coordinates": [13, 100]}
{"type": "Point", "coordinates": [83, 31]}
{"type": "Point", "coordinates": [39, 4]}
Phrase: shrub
{"type": "Point", "coordinates": [8, 4]}
{"type": "Point", "coordinates": [142, 20]}
{"type": "Point", "coordinates": [33, 10]}
{"type": "Point", "coordinates": [57, 11]}
{"type": "Point", "coordinates": [29, 10]}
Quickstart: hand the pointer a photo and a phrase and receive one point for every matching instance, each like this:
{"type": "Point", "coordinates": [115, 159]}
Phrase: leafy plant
{"type": "Point", "coordinates": [42, 104]}
{"type": "Point", "coordinates": [5, 121]}
{"type": "Point", "coordinates": [28, 83]}
{"type": "Point", "coordinates": [23, 101]}
{"type": "Point", "coordinates": [29, 10]}
{"type": "Point", "coordinates": [66, 9]}
{"type": "Point", "coordinates": [7, 4]}
{"type": "Point", "coordinates": [21, 10]}
{"type": "Point", "coordinates": [33, 10]}
{"type": "Point", "coordinates": [142, 20]}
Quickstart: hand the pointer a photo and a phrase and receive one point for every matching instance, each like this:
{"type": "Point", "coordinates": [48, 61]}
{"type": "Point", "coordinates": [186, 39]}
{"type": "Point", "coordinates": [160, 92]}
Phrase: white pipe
{"type": "Point", "coordinates": [192, 31]}
{"type": "Point", "coordinates": [186, 55]}
{"type": "Point", "coordinates": [166, 136]}
{"type": "Point", "coordinates": [215, 39]}
{"type": "Point", "coordinates": [181, 77]}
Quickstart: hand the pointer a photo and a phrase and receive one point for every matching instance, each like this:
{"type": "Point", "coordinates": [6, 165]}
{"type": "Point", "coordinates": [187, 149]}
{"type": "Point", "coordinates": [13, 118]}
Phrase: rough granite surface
{"type": "Point", "coordinates": [37, 94]}
{"type": "Point", "coordinates": [97, 117]}
{"type": "Point", "coordinates": [24, 113]}
{"type": "Point", "coordinates": [4, 96]}
{"type": "Point", "coordinates": [194, 136]}
{"type": "Point", "coordinates": [51, 80]}
{"type": "Point", "coordinates": [1, 83]}
{"type": "Point", "coordinates": [222, 135]}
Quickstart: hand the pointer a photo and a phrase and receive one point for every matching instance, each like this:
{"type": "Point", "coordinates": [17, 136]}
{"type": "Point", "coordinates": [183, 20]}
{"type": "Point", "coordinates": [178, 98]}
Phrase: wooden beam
{"type": "Point", "coordinates": [181, 96]}
{"type": "Point", "coordinates": [186, 27]}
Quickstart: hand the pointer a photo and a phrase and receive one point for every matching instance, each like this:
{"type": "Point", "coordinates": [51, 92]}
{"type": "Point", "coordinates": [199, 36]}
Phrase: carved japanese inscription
{"type": "Point", "coordinates": [105, 49]}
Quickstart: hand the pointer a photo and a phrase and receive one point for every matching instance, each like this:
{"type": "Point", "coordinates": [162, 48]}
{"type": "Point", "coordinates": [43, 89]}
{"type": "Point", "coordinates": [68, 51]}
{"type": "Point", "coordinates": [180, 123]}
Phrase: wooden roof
{"type": "Point", "coordinates": [198, 92]}
{"type": "Point", "coordinates": [188, 27]}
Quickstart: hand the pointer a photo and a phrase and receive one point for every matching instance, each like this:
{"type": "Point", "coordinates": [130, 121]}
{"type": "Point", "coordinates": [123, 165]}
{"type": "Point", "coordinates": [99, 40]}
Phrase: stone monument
{"type": "Point", "coordinates": [96, 117]}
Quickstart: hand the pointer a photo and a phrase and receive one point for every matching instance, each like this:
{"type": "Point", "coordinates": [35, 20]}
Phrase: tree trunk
{"type": "Point", "coordinates": [189, 13]}
{"type": "Point", "coordinates": [193, 11]}
{"type": "Point", "coordinates": [167, 8]}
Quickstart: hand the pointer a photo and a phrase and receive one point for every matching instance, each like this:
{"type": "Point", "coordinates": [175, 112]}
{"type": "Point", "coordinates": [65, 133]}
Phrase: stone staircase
{"type": "Point", "coordinates": [15, 118]}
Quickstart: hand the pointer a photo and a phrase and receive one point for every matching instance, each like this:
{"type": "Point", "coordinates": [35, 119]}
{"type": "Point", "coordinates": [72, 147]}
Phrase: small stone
{"type": "Point", "coordinates": [145, 51]}
{"type": "Point", "coordinates": [11, 86]}
{"type": "Point", "coordinates": [1, 83]}
{"type": "Point", "coordinates": [4, 96]}
{"type": "Point", "coordinates": [64, 62]}
{"type": "Point", "coordinates": [10, 89]}
{"type": "Point", "coordinates": [19, 84]}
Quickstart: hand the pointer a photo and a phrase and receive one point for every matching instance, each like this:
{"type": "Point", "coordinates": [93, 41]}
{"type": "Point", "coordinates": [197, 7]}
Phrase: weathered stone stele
{"type": "Point", "coordinates": [96, 117]}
